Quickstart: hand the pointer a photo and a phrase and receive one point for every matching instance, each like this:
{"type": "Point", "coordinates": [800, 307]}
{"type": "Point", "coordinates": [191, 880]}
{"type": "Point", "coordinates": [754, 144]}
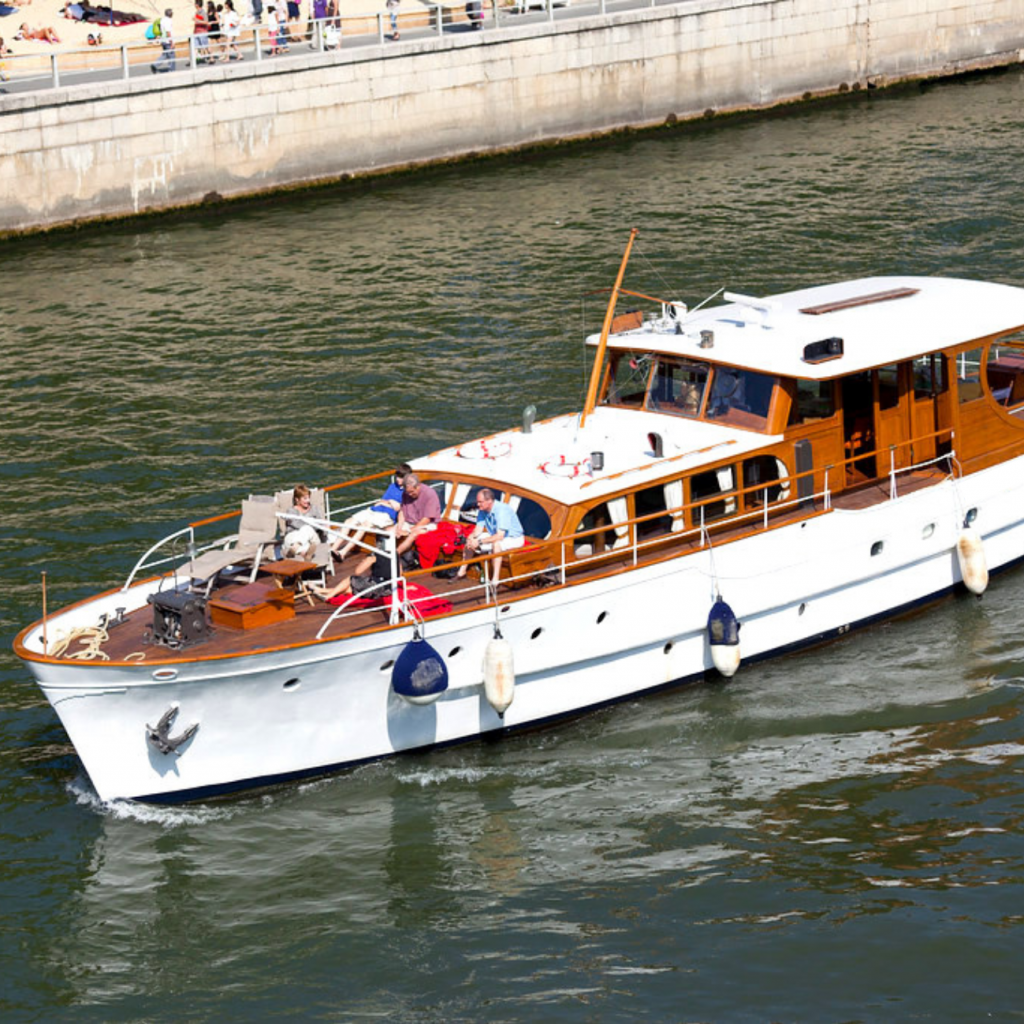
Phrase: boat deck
{"type": "Point", "coordinates": [128, 639]}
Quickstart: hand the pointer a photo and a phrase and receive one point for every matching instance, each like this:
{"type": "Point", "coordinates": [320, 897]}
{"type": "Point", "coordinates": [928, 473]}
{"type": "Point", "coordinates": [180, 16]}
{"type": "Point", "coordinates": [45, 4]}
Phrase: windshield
{"type": "Point", "coordinates": [678, 387]}
{"type": "Point", "coordinates": [629, 375]}
{"type": "Point", "coordinates": [740, 398]}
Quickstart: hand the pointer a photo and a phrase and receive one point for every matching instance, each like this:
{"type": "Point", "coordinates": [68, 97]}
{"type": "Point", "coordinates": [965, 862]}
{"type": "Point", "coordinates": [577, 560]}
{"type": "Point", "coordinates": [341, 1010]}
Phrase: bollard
{"type": "Point", "coordinates": [440, 22]}
{"type": "Point", "coordinates": [124, 61]}
{"type": "Point", "coordinates": [494, 8]}
{"type": "Point", "coordinates": [380, 29]}
{"type": "Point", "coordinates": [54, 72]}
{"type": "Point", "coordinates": [256, 40]}
{"type": "Point", "coordinates": [192, 52]}
{"type": "Point", "coordinates": [551, 10]}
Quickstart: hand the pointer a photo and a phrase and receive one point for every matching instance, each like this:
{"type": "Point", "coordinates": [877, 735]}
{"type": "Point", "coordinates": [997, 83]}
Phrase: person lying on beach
{"type": "Point", "coordinates": [45, 34]}
{"type": "Point", "coordinates": [100, 15]}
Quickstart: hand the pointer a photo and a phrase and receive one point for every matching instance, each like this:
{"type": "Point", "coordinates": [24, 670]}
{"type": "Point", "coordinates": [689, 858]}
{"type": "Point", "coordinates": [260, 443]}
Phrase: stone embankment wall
{"type": "Point", "coordinates": [120, 148]}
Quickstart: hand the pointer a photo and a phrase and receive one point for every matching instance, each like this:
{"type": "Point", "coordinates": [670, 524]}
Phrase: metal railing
{"type": "Point", "coordinates": [106, 62]}
{"type": "Point", "coordinates": [566, 556]}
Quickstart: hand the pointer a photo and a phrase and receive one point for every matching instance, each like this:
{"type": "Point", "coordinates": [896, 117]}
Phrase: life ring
{"type": "Point", "coordinates": [484, 450]}
{"type": "Point", "coordinates": [563, 465]}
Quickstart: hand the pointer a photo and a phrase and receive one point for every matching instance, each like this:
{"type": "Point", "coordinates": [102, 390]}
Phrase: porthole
{"type": "Point", "coordinates": [505, 609]}
{"type": "Point", "coordinates": [877, 547]}
{"type": "Point", "coordinates": [972, 514]}
{"type": "Point", "coordinates": [165, 675]}
{"type": "Point", "coordinates": [802, 608]}
{"type": "Point", "coordinates": [927, 531]}
{"type": "Point", "coordinates": [387, 665]}
{"type": "Point", "coordinates": [454, 651]}
{"type": "Point", "coordinates": [602, 617]}
{"type": "Point", "coordinates": [668, 647]}
{"type": "Point", "coordinates": [536, 633]}
{"type": "Point", "coordinates": [291, 684]}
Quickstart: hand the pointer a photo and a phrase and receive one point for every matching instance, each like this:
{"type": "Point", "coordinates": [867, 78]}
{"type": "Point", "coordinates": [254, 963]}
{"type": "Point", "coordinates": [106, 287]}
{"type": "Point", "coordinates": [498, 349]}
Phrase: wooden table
{"type": "Point", "coordinates": [291, 569]}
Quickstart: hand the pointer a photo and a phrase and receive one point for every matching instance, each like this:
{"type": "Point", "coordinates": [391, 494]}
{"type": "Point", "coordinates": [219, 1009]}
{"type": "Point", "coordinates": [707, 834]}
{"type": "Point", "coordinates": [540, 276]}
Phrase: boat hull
{"type": "Point", "coordinates": [303, 711]}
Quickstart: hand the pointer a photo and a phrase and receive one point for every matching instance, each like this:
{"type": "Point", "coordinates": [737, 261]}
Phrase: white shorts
{"type": "Point", "coordinates": [369, 520]}
{"type": "Point", "coordinates": [407, 529]}
{"type": "Point", "coordinates": [506, 544]}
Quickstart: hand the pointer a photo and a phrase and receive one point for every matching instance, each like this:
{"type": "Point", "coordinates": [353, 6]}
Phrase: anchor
{"type": "Point", "coordinates": [160, 736]}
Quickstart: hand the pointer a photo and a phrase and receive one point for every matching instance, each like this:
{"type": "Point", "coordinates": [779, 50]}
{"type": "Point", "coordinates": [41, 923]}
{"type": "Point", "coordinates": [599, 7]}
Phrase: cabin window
{"type": "Point", "coordinates": [708, 485]}
{"type": "Point", "coordinates": [464, 508]}
{"type": "Point", "coordinates": [678, 387]}
{"type": "Point", "coordinates": [649, 503]}
{"type": "Point", "coordinates": [815, 400]}
{"type": "Point", "coordinates": [930, 376]}
{"type": "Point", "coordinates": [740, 398]}
{"type": "Point", "coordinates": [888, 387]}
{"type": "Point", "coordinates": [765, 473]}
{"type": "Point", "coordinates": [968, 375]}
{"type": "Point", "coordinates": [533, 517]}
{"type": "Point", "coordinates": [612, 514]}
{"type": "Point", "coordinates": [630, 372]}
{"type": "Point", "coordinates": [1005, 372]}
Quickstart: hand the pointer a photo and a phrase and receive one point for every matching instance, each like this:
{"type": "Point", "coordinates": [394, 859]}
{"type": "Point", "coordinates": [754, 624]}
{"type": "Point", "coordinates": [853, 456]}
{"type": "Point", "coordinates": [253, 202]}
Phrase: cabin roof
{"type": "Point", "coordinates": [881, 320]}
{"type": "Point", "coordinates": [621, 435]}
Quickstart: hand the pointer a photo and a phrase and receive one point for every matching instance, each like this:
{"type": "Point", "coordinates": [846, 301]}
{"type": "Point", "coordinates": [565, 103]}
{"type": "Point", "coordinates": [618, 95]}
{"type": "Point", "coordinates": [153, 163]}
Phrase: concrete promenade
{"type": "Point", "coordinates": [118, 148]}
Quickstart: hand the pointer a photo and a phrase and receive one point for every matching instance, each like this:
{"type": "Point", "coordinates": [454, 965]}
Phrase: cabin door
{"type": "Point", "coordinates": [892, 421]}
{"type": "Point", "coordinates": [859, 427]}
{"type": "Point", "coordinates": [931, 409]}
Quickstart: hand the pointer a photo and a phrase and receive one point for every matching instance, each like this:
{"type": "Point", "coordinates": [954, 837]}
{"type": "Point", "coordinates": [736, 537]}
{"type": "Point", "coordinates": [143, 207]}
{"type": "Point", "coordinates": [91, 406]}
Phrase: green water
{"type": "Point", "coordinates": [833, 836]}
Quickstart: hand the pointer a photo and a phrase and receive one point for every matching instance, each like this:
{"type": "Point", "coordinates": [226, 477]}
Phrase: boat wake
{"type": "Point", "coordinates": [149, 814]}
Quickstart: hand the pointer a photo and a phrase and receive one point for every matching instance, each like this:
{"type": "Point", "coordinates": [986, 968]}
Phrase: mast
{"type": "Point", "coordinates": [595, 373]}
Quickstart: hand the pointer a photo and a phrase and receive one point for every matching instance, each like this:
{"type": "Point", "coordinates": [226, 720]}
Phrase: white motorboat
{"type": "Point", "coordinates": [743, 479]}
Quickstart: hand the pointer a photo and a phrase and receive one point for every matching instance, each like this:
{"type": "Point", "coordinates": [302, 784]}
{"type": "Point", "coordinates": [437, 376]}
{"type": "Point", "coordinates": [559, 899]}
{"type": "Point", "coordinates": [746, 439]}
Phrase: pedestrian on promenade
{"type": "Point", "coordinates": [393, 6]}
{"type": "Point", "coordinates": [213, 20]}
{"type": "Point", "coordinates": [294, 15]}
{"type": "Point", "coordinates": [230, 25]}
{"type": "Point", "coordinates": [200, 29]}
{"type": "Point", "coordinates": [166, 61]}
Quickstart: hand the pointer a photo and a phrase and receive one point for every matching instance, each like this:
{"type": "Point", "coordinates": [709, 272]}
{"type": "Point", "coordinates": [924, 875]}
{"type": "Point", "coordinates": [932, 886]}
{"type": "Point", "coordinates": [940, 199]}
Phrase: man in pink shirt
{"type": "Point", "coordinates": [420, 511]}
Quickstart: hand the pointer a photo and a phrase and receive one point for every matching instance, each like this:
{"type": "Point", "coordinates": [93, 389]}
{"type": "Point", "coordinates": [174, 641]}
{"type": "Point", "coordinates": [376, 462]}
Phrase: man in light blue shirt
{"type": "Point", "coordinates": [497, 529]}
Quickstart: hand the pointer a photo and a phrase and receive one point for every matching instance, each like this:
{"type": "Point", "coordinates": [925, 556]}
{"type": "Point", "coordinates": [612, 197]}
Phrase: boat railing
{"type": "Point", "coordinates": [566, 560]}
{"type": "Point", "coordinates": [222, 541]}
{"type": "Point", "coordinates": [894, 470]}
{"type": "Point", "coordinates": [144, 563]}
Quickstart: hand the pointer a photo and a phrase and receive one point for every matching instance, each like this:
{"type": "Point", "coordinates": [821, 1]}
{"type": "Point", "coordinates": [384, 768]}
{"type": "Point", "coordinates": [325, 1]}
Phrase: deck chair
{"type": "Point", "coordinates": [257, 531]}
{"type": "Point", "coordinates": [321, 554]}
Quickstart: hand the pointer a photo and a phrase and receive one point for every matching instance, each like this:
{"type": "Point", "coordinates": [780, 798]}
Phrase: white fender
{"type": "Point", "coordinates": [499, 674]}
{"type": "Point", "coordinates": [726, 658]}
{"type": "Point", "coordinates": [970, 553]}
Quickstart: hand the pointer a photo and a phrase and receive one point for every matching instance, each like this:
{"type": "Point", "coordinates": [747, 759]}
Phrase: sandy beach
{"type": "Point", "coordinates": [74, 35]}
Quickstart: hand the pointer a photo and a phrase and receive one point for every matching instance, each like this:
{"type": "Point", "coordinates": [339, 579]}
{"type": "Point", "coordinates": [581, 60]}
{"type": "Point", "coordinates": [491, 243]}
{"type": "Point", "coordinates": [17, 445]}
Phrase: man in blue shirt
{"type": "Point", "coordinates": [380, 516]}
{"type": "Point", "coordinates": [497, 529]}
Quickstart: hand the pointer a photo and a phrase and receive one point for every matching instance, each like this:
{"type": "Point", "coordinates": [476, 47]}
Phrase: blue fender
{"type": "Point", "coordinates": [419, 674]}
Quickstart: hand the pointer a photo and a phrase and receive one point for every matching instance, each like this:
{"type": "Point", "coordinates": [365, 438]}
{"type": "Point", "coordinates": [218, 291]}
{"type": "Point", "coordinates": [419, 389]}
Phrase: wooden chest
{"type": "Point", "coordinates": [252, 606]}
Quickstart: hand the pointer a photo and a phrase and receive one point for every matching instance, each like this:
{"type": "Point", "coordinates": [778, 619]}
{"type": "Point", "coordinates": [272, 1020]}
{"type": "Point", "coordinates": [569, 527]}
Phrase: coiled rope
{"type": "Point", "coordinates": [92, 637]}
